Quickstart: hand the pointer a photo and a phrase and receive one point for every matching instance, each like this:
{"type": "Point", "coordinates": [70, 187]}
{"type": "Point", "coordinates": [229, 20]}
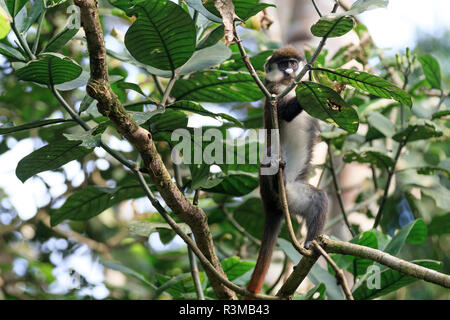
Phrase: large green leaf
{"type": "Point", "coordinates": [4, 24]}
{"type": "Point", "coordinates": [93, 200]}
{"type": "Point", "coordinates": [59, 40]}
{"type": "Point", "coordinates": [368, 82]}
{"type": "Point", "coordinates": [370, 155]}
{"type": "Point", "coordinates": [392, 280]}
{"type": "Point", "coordinates": [332, 26]}
{"type": "Point", "coordinates": [163, 35]}
{"type": "Point", "coordinates": [49, 157]}
{"type": "Point", "coordinates": [236, 185]}
{"type": "Point", "coordinates": [414, 232]}
{"type": "Point", "coordinates": [418, 130]}
{"type": "Point", "coordinates": [50, 69]}
{"type": "Point", "coordinates": [244, 8]}
{"type": "Point", "coordinates": [326, 104]}
{"type": "Point", "coordinates": [14, 6]}
{"type": "Point", "coordinates": [234, 267]}
{"type": "Point", "coordinates": [198, 5]}
{"type": "Point", "coordinates": [217, 86]}
{"type": "Point", "coordinates": [440, 225]}
{"type": "Point", "coordinates": [11, 53]}
{"type": "Point", "coordinates": [432, 71]}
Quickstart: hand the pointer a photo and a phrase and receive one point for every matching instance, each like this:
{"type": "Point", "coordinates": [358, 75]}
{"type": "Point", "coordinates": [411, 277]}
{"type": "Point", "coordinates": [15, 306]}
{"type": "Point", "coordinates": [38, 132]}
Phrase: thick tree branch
{"type": "Point", "coordinates": [110, 106]}
{"type": "Point", "coordinates": [408, 268]}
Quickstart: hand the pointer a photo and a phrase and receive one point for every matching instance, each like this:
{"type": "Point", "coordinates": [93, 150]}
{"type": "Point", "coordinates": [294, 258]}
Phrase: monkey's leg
{"type": "Point", "coordinates": [309, 202]}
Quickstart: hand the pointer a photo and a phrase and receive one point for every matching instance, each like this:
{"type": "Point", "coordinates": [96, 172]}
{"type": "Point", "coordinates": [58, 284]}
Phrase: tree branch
{"type": "Point", "coordinates": [408, 268]}
{"type": "Point", "coordinates": [339, 274]}
{"type": "Point", "coordinates": [110, 106]}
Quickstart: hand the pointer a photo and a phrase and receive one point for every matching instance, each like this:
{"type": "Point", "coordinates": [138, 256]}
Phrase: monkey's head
{"type": "Point", "coordinates": [284, 65]}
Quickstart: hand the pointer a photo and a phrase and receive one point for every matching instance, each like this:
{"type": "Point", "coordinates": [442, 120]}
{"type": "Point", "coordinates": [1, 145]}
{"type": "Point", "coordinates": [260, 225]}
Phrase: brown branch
{"type": "Point", "coordinates": [339, 274]}
{"type": "Point", "coordinates": [110, 106]}
{"type": "Point", "coordinates": [408, 268]}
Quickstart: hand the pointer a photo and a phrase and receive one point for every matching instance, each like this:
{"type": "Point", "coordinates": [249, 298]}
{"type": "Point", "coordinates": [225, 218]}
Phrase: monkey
{"type": "Point", "coordinates": [298, 133]}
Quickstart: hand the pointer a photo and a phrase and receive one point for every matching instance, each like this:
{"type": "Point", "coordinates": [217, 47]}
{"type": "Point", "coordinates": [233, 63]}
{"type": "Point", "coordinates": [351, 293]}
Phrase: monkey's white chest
{"type": "Point", "coordinates": [296, 142]}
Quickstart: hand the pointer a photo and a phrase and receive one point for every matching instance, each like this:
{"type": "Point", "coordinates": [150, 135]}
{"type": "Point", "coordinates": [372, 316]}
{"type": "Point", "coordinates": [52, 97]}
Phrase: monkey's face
{"type": "Point", "coordinates": [283, 70]}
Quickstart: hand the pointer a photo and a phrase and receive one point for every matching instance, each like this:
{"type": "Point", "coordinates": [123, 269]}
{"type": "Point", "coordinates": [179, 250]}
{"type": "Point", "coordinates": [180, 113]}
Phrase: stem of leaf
{"type": "Point", "coordinates": [338, 189]}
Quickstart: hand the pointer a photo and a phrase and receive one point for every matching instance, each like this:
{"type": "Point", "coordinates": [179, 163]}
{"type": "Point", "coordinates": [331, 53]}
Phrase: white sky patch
{"type": "Point", "coordinates": [397, 25]}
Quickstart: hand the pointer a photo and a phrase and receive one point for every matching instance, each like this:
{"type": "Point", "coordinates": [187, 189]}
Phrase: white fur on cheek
{"type": "Point", "coordinates": [275, 75]}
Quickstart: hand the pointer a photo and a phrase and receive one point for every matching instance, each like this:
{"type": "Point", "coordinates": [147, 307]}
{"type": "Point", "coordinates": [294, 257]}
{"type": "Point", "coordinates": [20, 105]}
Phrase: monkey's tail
{"type": "Point", "coordinates": [272, 227]}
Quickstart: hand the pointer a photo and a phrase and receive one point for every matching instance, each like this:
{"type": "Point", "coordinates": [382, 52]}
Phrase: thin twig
{"type": "Point", "coordinates": [317, 8]}
{"type": "Point", "coordinates": [240, 228]}
{"type": "Point", "coordinates": [169, 87]}
{"type": "Point", "coordinates": [337, 190]}
{"type": "Point", "coordinates": [38, 31]}
{"type": "Point", "coordinates": [283, 270]}
{"type": "Point", "coordinates": [194, 248]}
{"type": "Point", "coordinates": [391, 172]}
{"type": "Point", "coordinates": [339, 274]}
{"type": "Point", "coordinates": [250, 67]}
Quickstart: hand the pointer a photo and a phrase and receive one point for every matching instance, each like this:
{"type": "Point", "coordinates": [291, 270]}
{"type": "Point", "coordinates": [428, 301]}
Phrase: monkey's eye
{"type": "Point", "coordinates": [293, 64]}
{"type": "Point", "coordinates": [283, 65]}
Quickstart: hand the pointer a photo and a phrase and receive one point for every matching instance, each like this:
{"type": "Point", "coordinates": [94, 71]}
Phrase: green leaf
{"type": "Point", "coordinates": [367, 239]}
{"type": "Point", "coordinates": [124, 4]}
{"type": "Point", "coordinates": [368, 82]}
{"type": "Point", "coordinates": [198, 5]}
{"type": "Point", "coordinates": [212, 38]}
{"type": "Point", "coordinates": [360, 6]}
{"type": "Point", "coordinates": [163, 35]}
{"type": "Point", "coordinates": [127, 271]}
{"type": "Point", "coordinates": [10, 128]}
{"type": "Point", "coordinates": [332, 26]}
{"type": "Point", "coordinates": [392, 280]}
{"type": "Point", "coordinates": [217, 86]}
{"type": "Point", "coordinates": [31, 16]}
{"type": "Point", "coordinates": [87, 102]}
{"type": "Point", "coordinates": [250, 215]}
{"type": "Point", "coordinates": [234, 267]}
{"type": "Point", "coordinates": [50, 69]}
{"type": "Point", "coordinates": [178, 287]}
{"type": "Point", "coordinates": [89, 139]}
{"type": "Point", "coordinates": [370, 155]}
{"type": "Point", "coordinates": [4, 24]}
{"type": "Point", "coordinates": [11, 53]}
{"type": "Point", "coordinates": [146, 228]}
{"type": "Point", "coordinates": [168, 121]}
{"type": "Point", "coordinates": [440, 225]}
{"type": "Point", "coordinates": [434, 171]}
{"type": "Point", "coordinates": [316, 293]}
{"type": "Point", "coordinates": [326, 104]}
{"type": "Point", "coordinates": [432, 71]}
{"type": "Point", "coordinates": [81, 81]}
{"type": "Point", "coordinates": [381, 123]}
{"type": "Point", "coordinates": [418, 130]}
{"type": "Point", "coordinates": [14, 6]}
{"type": "Point", "coordinates": [414, 232]}
{"type": "Point", "coordinates": [235, 185]}
{"type": "Point", "coordinates": [130, 86]}
{"type": "Point", "coordinates": [244, 8]}
{"type": "Point", "coordinates": [50, 157]}
{"type": "Point", "coordinates": [196, 107]}
{"type": "Point", "coordinates": [440, 114]}
{"type": "Point", "coordinates": [93, 200]}
{"type": "Point", "coordinates": [58, 41]}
